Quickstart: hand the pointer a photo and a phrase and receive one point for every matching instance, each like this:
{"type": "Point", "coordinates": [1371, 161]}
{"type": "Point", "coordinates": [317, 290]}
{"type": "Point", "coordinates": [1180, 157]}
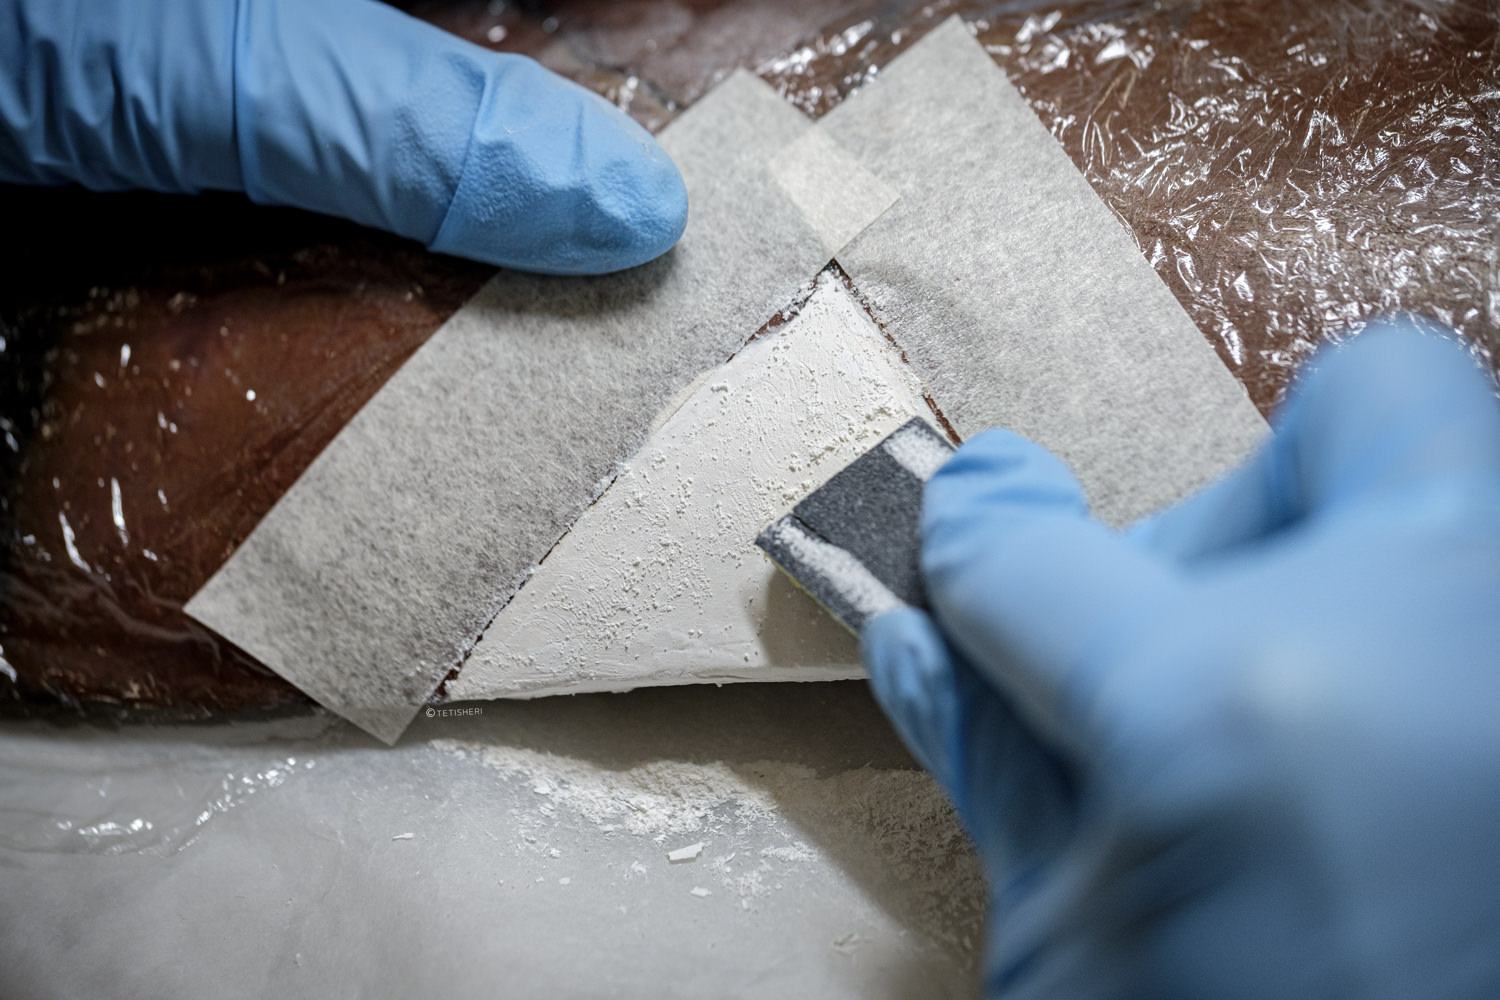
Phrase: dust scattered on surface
{"type": "Point", "coordinates": [889, 829]}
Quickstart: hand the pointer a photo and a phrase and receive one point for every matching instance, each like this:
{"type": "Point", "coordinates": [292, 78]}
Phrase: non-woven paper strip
{"type": "Point", "coordinates": [373, 576]}
{"type": "Point", "coordinates": [1016, 294]}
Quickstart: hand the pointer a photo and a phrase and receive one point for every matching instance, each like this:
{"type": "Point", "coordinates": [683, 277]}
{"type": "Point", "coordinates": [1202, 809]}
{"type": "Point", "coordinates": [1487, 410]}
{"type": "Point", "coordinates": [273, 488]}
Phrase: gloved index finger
{"type": "Point", "coordinates": [1028, 585]}
{"type": "Point", "coordinates": [354, 108]}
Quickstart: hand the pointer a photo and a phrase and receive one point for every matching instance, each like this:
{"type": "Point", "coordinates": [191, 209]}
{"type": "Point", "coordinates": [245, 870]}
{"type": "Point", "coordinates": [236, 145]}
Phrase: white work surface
{"type": "Point", "coordinates": [272, 859]}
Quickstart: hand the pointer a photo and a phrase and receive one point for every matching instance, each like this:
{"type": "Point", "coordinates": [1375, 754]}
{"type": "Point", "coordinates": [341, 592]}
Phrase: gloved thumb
{"type": "Point", "coordinates": [1015, 795]}
{"type": "Point", "coordinates": [1025, 582]}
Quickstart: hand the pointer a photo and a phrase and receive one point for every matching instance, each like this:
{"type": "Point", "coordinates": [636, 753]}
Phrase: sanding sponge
{"type": "Point", "coordinates": [853, 543]}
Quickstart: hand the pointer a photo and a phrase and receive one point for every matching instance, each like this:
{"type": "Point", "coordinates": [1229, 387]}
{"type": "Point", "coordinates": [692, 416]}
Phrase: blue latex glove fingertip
{"type": "Point", "coordinates": [558, 181]}
{"type": "Point", "coordinates": [346, 107]}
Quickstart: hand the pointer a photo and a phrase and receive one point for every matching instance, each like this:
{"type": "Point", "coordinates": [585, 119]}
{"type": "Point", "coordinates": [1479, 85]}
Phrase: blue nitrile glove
{"type": "Point", "coordinates": [1251, 748]}
{"type": "Point", "coordinates": [347, 107]}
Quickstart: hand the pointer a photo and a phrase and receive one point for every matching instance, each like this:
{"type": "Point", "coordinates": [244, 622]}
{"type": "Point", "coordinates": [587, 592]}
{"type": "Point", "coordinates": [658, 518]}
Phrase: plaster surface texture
{"type": "Point", "coordinates": [660, 582]}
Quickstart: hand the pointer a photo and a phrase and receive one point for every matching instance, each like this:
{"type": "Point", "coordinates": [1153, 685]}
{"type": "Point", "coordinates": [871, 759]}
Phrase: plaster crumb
{"type": "Point", "coordinates": [700, 892]}
{"type": "Point", "coordinates": [404, 836]}
{"type": "Point", "coordinates": [688, 853]}
{"type": "Point", "coordinates": [564, 881]}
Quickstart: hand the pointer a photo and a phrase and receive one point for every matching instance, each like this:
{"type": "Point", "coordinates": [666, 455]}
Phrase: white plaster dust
{"type": "Point", "coordinates": [893, 826]}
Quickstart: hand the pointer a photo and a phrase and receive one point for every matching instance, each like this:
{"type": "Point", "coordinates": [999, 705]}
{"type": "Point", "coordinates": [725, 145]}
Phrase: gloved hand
{"type": "Point", "coordinates": [1251, 747]}
{"type": "Point", "coordinates": [347, 107]}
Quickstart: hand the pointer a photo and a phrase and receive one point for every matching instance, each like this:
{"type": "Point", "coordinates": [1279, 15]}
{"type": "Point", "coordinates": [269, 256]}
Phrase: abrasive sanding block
{"type": "Point", "coordinates": [853, 543]}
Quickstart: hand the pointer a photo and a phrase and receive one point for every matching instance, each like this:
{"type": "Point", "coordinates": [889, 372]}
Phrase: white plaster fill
{"type": "Point", "coordinates": [659, 582]}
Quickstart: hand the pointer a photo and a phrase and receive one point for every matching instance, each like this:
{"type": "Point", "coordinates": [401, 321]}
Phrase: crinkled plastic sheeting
{"type": "Point", "coordinates": [1289, 167]}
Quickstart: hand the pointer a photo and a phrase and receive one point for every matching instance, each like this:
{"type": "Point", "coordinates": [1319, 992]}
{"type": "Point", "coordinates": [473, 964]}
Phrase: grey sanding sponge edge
{"type": "Point", "coordinates": [853, 544]}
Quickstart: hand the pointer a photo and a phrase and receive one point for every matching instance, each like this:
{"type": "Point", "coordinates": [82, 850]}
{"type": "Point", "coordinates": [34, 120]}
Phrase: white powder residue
{"type": "Point", "coordinates": [918, 451]}
{"type": "Point", "coordinates": [654, 799]}
{"type": "Point", "coordinates": [795, 852]}
{"type": "Point", "coordinates": [892, 828]}
{"type": "Point", "coordinates": [846, 574]}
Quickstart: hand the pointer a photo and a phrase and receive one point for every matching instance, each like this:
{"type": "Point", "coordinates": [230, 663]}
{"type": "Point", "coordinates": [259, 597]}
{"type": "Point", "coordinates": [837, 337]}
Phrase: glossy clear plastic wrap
{"type": "Point", "coordinates": [1290, 169]}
